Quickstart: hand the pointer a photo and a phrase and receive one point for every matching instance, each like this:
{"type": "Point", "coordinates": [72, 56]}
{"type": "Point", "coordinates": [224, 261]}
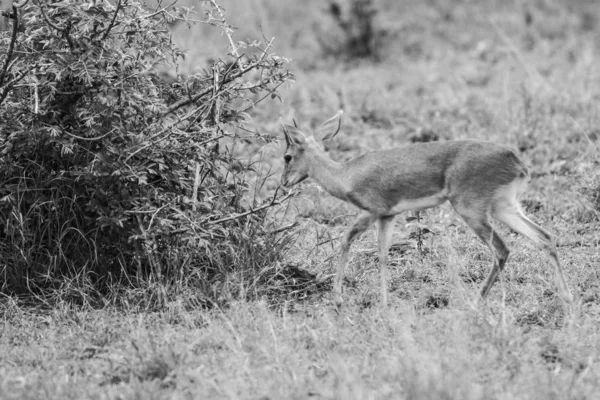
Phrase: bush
{"type": "Point", "coordinates": [110, 175]}
{"type": "Point", "coordinates": [358, 36]}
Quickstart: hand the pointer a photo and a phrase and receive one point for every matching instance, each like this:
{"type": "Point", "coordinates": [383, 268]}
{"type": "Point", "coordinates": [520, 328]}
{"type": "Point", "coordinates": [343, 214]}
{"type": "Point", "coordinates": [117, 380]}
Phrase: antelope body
{"type": "Point", "coordinates": [480, 179]}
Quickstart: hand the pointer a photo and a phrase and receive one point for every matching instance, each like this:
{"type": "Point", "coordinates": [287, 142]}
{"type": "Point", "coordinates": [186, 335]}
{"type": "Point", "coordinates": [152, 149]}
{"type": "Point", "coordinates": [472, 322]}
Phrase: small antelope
{"type": "Point", "coordinates": [478, 178]}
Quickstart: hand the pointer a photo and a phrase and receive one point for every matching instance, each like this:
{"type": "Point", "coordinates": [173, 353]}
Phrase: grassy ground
{"type": "Point", "coordinates": [519, 73]}
{"type": "Point", "coordinates": [253, 352]}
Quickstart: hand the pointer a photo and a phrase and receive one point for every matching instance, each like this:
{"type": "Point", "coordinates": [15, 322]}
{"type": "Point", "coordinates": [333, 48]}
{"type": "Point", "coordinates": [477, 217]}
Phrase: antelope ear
{"type": "Point", "coordinates": [293, 135]}
{"type": "Point", "coordinates": [329, 128]}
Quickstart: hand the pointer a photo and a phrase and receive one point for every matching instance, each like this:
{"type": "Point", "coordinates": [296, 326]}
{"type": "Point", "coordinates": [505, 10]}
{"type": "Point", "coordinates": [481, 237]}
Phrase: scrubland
{"type": "Point", "coordinates": [519, 73]}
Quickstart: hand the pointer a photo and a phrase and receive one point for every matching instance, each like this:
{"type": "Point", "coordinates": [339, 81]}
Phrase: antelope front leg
{"type": "Point", "coordinates": [385, 233]}
{"type": "Point", "coordinates": [360, 225]}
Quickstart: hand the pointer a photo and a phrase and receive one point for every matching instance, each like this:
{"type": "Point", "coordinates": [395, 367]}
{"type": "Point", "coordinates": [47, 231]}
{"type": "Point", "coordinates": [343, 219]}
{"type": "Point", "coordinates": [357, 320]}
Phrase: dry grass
{"type": "Point", "coordinates": [253, 352]}
{"type": "Point", "coordinates": [470, 69]}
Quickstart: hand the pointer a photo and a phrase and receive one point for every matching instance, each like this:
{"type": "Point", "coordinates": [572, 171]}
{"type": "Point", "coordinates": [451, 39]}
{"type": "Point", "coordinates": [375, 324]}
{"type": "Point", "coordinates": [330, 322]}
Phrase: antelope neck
{"type": "Point", "coordinates": [329, 174]}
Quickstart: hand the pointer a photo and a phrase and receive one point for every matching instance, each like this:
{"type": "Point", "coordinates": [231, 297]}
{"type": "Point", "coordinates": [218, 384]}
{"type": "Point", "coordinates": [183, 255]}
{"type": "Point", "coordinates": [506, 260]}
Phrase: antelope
{"type": "Point", "coordinates": [480, 179]}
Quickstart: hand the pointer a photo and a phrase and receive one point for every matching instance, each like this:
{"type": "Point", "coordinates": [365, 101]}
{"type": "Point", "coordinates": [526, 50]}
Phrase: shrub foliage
{"type": "Point", "coordinates": [107, 172]}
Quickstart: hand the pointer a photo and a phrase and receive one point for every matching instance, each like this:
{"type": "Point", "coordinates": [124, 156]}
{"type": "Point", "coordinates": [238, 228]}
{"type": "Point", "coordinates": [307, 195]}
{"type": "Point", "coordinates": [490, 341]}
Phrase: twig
{"type": "Point", "coordinates": [531, 70]}
{"type": "Point", "coordinates": [328, 241]}
{"type": "Point", "coordinates": [151, 259]}
{"type": "Point", "coordinates": [165, 129]}
{"type": "Point", "coordinates": [592, 146]}
{"type": "Point", "coordinates": [7, 88]}
{"type": "Point", "coordinates": [66, 31]}
{"type": "Point", "coordinates": [262, 98]}
{"type": "Point", "coordinates": [196, 186]}
{"type": "Point", "coordinates": [221, 136]}
{"type": "Point", "coordinates": [272, 203]}
{"type": "Point", "coordinates": [52, 24]}
{"type": "Point", "coordinates": [36, 96]}
{"type": "Point", "coordinates": [90, 139]}
{"type": "Point", "coordinates": [285, 228]}
{"type": "Point", "coordinates": [159, 11]}
{"type": "Point", "coordinates": [11, 46]}
{"type": "Point", "coordinates": [228, 32]}
{"type": "Point", "coordinates": [236, 62]}
{"type": "Point", "coordinates": [214, 107]}
{"type": "Point", "coordinates": [112, 22]}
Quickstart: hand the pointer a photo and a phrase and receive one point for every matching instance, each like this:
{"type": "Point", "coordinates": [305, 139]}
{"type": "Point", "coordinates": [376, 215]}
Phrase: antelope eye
{"type": "Point", "coordinates": [287, 158]}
